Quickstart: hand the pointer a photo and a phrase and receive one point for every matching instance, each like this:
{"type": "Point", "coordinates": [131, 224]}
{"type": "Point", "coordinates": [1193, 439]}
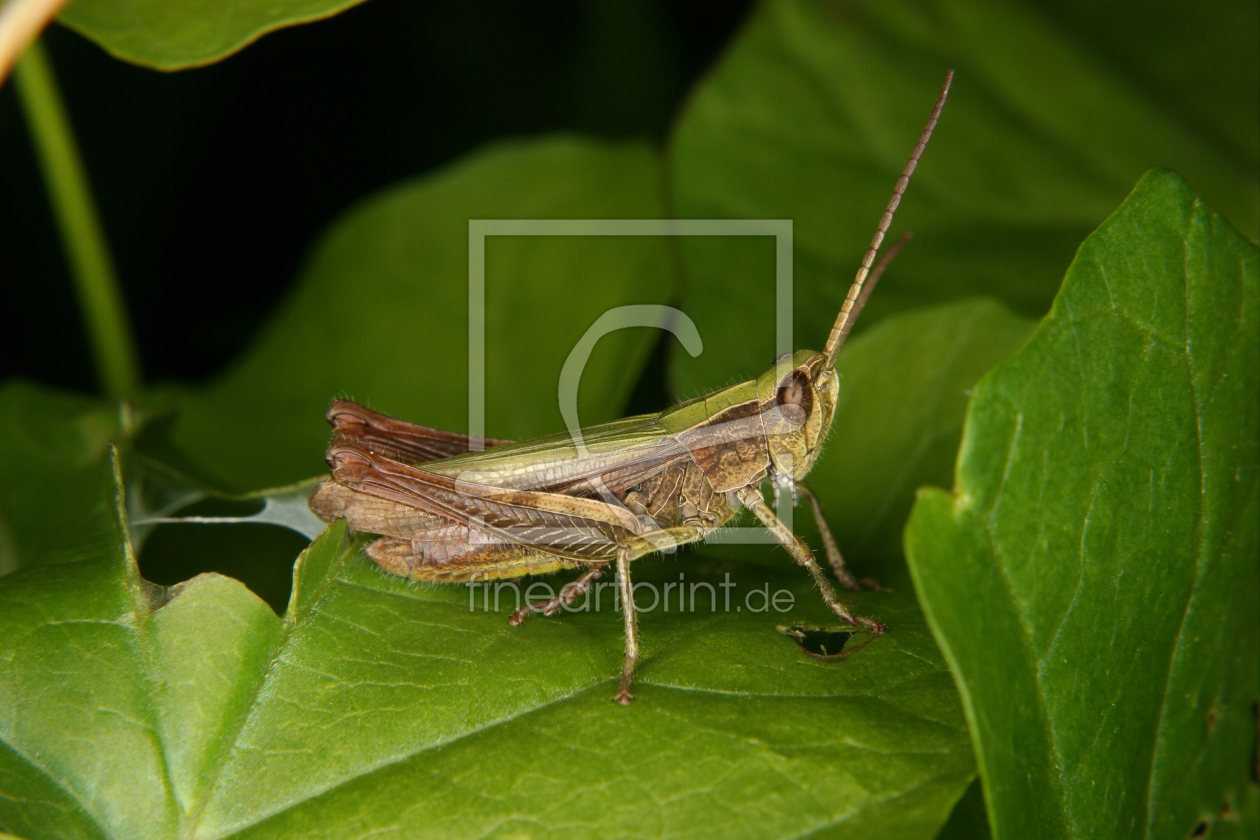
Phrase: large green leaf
{"type": "Point", "coordinates": [381, 315]}
{"type": "Point", "coordinates": [811, 114]}
{"type": "Point", "coordinates": [376, 705]}
{"type": "Point", "coordinates": [1093, 577]}
{"type": "Point", "coordinates": [375, 683]}
{"type": "Point", "coordinates": [172, 36]}
{"type": "Point", "coordinates": [378, 682]}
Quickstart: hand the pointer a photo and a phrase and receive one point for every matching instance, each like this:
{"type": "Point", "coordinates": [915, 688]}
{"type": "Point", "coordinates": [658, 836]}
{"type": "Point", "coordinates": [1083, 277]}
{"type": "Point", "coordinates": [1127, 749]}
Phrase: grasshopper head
{"type": "Point", "coordinates": [798, 399]}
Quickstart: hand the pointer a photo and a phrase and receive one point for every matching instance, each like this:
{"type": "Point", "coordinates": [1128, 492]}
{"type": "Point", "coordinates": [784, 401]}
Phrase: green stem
{"type": "Point", "coordinates": [113, 348]}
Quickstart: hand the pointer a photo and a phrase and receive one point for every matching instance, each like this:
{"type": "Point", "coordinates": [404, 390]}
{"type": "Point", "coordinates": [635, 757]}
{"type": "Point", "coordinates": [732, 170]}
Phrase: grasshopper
{"type": "Point", "coordinates": [450, 511]}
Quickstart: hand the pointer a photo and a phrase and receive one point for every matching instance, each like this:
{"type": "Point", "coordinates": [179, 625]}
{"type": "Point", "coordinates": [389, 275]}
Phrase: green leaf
{"type": "Point", "coordinates": [381, 315]}
{"type": "Point", "coordinates": [1093, 577]}
{"type": "Point", "coordinates": [210, 645]}
{"type": "Point", "coordinates": [812, 112]}
{"type": "Point", "coordinates": [173, 36]}
{"type": "Point", "coordinates": [76, 758]}
{"type": "Point", "coordinates": [377, 705]}
{"type": "Point", "coordinates": [57, 481]}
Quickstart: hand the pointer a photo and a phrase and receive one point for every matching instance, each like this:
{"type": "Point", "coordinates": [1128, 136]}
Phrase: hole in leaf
{"type": "Point", "coordinates": [214, 506]}
{"type": "Point", "coordinates": [826, 644]}
{"type": "Point", "coordinates": [1200, 830]}
{"type": "Point", "coordinates": [260, 556]}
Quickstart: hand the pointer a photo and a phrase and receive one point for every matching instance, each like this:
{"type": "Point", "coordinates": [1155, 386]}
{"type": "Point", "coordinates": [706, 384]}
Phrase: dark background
{"type": "Point", "coordinates": [212, 183]}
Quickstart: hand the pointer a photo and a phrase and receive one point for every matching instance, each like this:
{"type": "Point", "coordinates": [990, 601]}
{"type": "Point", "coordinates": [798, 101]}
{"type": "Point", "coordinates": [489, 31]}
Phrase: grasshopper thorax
{"type": "Point", "coordinates": [798, 399]}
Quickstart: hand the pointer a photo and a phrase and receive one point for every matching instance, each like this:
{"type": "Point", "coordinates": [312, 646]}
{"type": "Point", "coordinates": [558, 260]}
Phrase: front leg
{"type": "Point", "coordinates": [832, 548]}
{"type": "Point", "coordinates": [751, 499]}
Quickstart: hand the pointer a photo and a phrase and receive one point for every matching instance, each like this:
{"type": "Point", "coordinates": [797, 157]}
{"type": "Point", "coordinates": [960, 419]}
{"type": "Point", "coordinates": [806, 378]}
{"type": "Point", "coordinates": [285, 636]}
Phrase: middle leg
{"type": "Point", "coordinates": [568, 594]}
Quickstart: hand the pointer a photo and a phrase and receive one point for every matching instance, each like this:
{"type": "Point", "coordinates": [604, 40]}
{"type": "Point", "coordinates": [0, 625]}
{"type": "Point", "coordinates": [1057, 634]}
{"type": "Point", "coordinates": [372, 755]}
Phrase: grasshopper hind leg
{"type": "Point", "coordinates": [568, 594]}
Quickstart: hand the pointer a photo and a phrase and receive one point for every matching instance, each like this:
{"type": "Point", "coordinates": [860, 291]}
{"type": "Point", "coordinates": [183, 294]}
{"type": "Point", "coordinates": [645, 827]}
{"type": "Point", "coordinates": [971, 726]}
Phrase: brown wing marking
{"type": "Point", "coordinates": [396, 439]}
{"type": "Point", "coordinates": [427, 547]}
{"type": "Point", "coordinates": [362, 512]}
{"type": "Point", "coordinates": [576, 528]}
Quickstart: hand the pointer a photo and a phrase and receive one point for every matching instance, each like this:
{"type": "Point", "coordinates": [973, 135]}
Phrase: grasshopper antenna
{"type": "Point", "coordinates": [856, 297]}
{"type": "Point", "coordinates": [876, 273]}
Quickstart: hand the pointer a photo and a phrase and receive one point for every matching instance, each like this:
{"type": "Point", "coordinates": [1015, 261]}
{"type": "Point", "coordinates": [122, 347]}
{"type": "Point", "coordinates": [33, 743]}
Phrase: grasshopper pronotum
{"type": "Point", "coordinates": [612, 494]}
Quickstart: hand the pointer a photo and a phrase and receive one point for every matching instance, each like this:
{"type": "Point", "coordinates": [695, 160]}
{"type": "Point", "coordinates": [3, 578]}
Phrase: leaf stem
{"type": "Point", "coordinates": [109, 332]}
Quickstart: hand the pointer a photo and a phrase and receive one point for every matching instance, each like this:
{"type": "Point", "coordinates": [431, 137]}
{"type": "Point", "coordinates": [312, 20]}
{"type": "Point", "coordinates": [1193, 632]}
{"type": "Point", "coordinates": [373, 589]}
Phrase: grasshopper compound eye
{"type": "Point", "coordinates": [795, 397]}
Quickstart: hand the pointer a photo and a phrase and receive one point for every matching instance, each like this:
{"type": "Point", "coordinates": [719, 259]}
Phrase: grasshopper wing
{"type": "Point", "coordinates": [397, 440]}
{"type": "Point", "coordinates": [551, 523]}
{"type": "Point", "coordinates": [602, 462]}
